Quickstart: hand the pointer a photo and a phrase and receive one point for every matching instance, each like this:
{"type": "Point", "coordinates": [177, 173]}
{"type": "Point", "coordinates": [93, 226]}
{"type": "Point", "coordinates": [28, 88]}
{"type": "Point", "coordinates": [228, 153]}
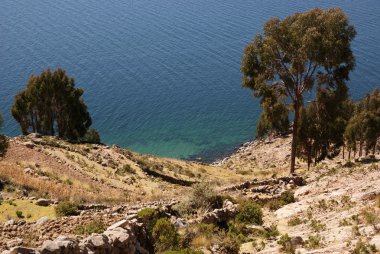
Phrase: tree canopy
{"type": "Point", "coordinates": [364, 126]}
{"type": "Point", "coordinates": [3, 140]}
{"type": "Point", "coordinates": [51, 105]}
{"type": "Point", "coordinates": [292, 55]}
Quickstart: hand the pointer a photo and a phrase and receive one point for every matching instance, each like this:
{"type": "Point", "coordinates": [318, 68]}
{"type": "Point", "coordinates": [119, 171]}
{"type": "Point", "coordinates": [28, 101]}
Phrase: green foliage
{"type": "Point", "coordinates": [126, 169]}
{"type": "Point", "coordinates": [249, 212]}
{"type": "Point", "coordinates": [317, 225]}
{"type": "Point", "coordinates": [66, 208]}
{"type": "Point", "coordinates": [323, 123]}
{"type": "Point", "coordinates": [294, 221]}
{"type": "Point", "coordinates": [314, 242]}
{"type": "Point", "coordinates": [364, 127]}
{"type": "Point", "coordinates": [364, 248]}
{"type": "Point", "coordinates": [284, 199]}
{"type": "Point", "coordinates": [286, 244]}
{"type": "Point", "coordinates": [3, 141]}
{"type": "Point", "coordinates": [202, 197]}
{"type": "Point", "coordinates": [294, 54]}
{"type": "Point", "coordinates": [92, 136]}
{"type": "Point", "coordinates": [275, 116]}
{"type": "Point", "coordinates": [51, 103]}
{"type": "Point", "coordinates": [89, 228]}
{"type": "Point", "coordinates": [165, 235]}
{"type": "Point", "coordinates": [19, 214]}
{"type": "Point", "coordinates": [184, 251]}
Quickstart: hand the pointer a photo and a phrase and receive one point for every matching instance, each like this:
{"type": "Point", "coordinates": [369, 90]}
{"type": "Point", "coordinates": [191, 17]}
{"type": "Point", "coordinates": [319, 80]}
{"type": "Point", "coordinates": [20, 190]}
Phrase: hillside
{"type": "Point", "coordinates": [333, 208]}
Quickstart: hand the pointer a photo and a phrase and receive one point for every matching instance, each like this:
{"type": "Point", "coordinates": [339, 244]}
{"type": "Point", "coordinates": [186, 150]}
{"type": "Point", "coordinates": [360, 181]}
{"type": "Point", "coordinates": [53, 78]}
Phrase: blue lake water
{"type": "Point", "coordinates": [160, 76]}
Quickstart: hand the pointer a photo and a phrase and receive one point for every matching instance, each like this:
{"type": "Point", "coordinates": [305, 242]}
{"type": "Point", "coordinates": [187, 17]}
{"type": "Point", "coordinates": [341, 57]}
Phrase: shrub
{"type": "Point", "coordinates": [249, 212]}
{"type": "Point", "coordinates": [66, 208]}
{"type": "Point", "coordinates": [89, 228]}
{"type": "Point", "coordinates": [126, 169]}
{"type": "Point", "coordinates": [313, 242]}
{"type": "Point", "coordinates": [92, 136]}
{"type": "Point", "coordinates": [184, 251]}
{"type": "Point", "coordinates": [370, 217]}
{"type": "Point", "coordinates": [202, 196]}
{"type": "Point", "coordinates": [19, 214]}
{"type": "Point", "coordinates": [364, 248]}
{"type": "Point", "coordinates": [284, 199]}
{"type": "Point", "coordinates": [294, 221]}
{"type": "Point", "coordinates": [165, 235]}
{"type": "Point", "coordinates": [286, 244]}
{"type": "Point", "coordinates": [149, 216]}
{"type": "Point", "coordinates": [4, 143]}
{"type": "Point", "coordinates": [317, 226]}
{"type": "Point", "coordinates": [230, 245]}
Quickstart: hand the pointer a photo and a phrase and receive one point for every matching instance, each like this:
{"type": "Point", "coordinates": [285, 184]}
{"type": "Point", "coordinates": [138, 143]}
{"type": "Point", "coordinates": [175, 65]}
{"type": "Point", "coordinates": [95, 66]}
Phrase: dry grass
{"type": "Point", "coordinates": [16, 176]}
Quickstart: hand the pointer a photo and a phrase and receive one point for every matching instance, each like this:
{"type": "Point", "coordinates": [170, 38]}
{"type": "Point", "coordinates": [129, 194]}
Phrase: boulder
{"type": "Point", "coordinates": [14, 243]}
{"type": "Point", "coordinates": [220, 215]}
{"type": "Point", "coordinates": [20, 250]}
{"type": "Point", "coordinates": [42, 220]}
{"type": "Point", "coordinates": [29, 171]}
{"type": "Point", "coordinates": [42, 202]}
{"type": "Point", "coordinates": [61, 245]}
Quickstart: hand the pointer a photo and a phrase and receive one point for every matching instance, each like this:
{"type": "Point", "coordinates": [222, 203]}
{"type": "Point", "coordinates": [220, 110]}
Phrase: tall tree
{"type": "Point", "coordinates": [322, 124]}
{"type": "Point", "coordinates": [294, 54]}
{"type": "Point", "coordinates": [3, 140]}
{"type": "Point", "coordinates": [275, 116]}
{"type": "Point", "coordinates": [51, 104]}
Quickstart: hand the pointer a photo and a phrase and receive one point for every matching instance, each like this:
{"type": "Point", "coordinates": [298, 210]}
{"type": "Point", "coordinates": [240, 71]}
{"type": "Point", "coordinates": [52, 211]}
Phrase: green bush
{"type": "Point", "coordinates": [19, 214]}
{"type": "Point", "coordinates": [92, 136]}
{"type": "Point", "coordinates": [165, 235]}
{"type": "Point", "coordinates": [286, 244]}
{"type": "Point", "coordinates": [364, 248]}
{"type": "Point", "coordinates": [89, 228]}
{"type": "Point", "coordinates": [66, 208]}
{"type": "Point", "coordinates": [4, 143]}
{"type": "Point", "coordinates": [184, 251]}
{"type": "Point", "coordinates": [284, 199]}
{"type": "Point", "coordinates": [249, 212]}
{"type": "Point", "coordinates": [203, 196]}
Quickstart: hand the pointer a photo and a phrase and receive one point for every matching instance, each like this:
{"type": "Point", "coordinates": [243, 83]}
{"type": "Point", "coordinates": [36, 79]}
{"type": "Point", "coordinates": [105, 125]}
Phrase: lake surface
{"type": "Point", "coordinates": [160, 76]}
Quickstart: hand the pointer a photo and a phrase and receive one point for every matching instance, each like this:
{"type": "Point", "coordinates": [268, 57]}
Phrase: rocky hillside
{"type": "Point", "coordinates": [246, 203]}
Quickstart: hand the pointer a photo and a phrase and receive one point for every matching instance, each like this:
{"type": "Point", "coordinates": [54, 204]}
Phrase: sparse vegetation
{"type": "Point", "coordinates": [314, 241]}
{"type": "Point", "coordinates": [89, 228]}
{"type": "Point", "coordinates": [165, 235]}
{"type": "Point", "coordinates": [249, 212]}
{"type": "Point", "coordinates": [66, 208]}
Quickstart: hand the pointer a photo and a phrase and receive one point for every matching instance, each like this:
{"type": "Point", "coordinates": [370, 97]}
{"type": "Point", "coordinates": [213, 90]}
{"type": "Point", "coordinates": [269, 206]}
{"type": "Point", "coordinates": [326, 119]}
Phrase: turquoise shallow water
{"type": "Point", "coordinates": [160, 76]}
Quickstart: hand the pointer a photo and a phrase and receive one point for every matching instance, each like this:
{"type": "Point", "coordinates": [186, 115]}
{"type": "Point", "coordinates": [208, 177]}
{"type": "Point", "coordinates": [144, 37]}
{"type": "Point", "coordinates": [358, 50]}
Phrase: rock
{"type": "Point", "coordinates": [42, 220]}
{"type": "Point", "coordinates": [220, 215]}
{"type": "Point", "coordinates": [29, 145]}
{"type": "Point", "coordinates": [10, 223]}
{"type": "Point", "coordinates": [61, 245]}
{"type": "Point", "coordinates": [295, 241]}
{"type": "Point", "coordinates": [42, 202]}
{"type": "Point", "coordinates": [376, 241]}
{"type": "Point", "coordinates": [178, 222]}
{"type": "Point", "coordinates": [34, 135]}
{"type": "Point", "coordinates": [29, 171]}
{"type": "Point", "coordinates": [14, 243]}
{"type": "Point", "coordinates": [121, 224]}
{"type": "Point", "coordinates": [20, 250]}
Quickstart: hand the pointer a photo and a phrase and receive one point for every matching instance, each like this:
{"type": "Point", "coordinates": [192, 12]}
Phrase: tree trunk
{"type": "Point", "coordinates": [343, 152]}
{"type": "Point", "coordinates": [295, 135]}
{"type": "Point", "coordinates": [349, 154]}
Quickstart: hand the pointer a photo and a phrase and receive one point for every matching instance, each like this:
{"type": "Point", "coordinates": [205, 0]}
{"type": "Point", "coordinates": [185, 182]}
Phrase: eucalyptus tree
{"type": "Point", "coordinates": [294, 54]}
{"type": "Point", "coordinates": [3, 140]}
{"type": "Point", "coordinates": [51, 105]}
